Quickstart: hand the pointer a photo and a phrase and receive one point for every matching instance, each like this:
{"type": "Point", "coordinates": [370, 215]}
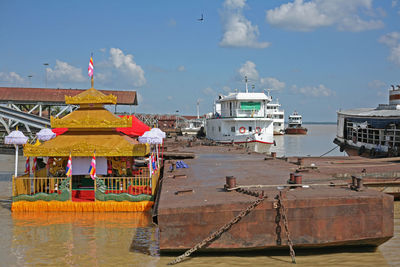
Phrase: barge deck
{"type": "Point", "coordinates": [193, 202]}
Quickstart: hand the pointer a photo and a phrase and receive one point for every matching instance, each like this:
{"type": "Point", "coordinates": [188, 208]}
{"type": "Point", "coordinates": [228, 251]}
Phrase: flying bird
{"type": "Point", "coordinates": [201, 19]}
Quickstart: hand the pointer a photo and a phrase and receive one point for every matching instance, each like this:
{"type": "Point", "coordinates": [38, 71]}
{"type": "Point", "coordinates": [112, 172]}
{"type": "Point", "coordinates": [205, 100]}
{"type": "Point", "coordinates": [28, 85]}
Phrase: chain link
{"type": "Point", "coordinates": [286, 225]}
{"type": "Point", "coordinates": [218, 233]}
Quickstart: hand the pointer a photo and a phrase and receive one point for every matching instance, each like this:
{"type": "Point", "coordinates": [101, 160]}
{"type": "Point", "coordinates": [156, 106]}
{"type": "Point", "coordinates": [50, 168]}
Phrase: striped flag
{"type": "Point", "coordinates": [27, 166]}
{"type": "Point", "coordinates": [34, 167]}
{"type": "Point", "coordinates": [68, 171]}
{"type": "Point", "coordinates": [90, 68]}
{"type": "Point", "coordinates": [92, 169]}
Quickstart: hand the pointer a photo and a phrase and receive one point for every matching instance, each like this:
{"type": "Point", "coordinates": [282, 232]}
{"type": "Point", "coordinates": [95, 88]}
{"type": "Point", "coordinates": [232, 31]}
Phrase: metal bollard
{"type": "Point", "coordinates": [298, 178]}
{"type": "Point", "coordinates": [230, 182]}
{"type": "Point", "coordinates": [291, 178]}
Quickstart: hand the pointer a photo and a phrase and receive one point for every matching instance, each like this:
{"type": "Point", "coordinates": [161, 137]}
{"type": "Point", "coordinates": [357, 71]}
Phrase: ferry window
{"type": "Point", "coordinates": [233, 129]}
{"type": "Point", "coordinates": [219, 128]}
{"type": "Point", "coordinates": [250, 129]}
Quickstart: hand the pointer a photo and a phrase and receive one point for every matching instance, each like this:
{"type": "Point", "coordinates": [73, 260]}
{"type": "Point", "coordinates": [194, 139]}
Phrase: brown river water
{"type": "Point", "coordinates": [130, 239]}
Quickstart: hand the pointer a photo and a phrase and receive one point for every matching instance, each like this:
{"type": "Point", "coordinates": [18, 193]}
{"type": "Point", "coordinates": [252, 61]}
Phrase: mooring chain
{"type": "Point", "coordinates": [218, 233]}
{"type": "Point", "coordinates": [285, 223]}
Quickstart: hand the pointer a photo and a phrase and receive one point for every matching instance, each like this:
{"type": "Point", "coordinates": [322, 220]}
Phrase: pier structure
{"type": "Point", "coordinates": [229, 198]}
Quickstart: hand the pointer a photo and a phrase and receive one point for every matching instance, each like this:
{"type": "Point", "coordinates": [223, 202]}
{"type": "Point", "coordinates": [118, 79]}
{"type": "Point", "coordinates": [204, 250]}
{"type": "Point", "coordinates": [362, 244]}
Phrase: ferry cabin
{"type": "Point", "coordinates": [278, 116]}
{"type": "Point", "coordinates": [241, 117]}
{"type": "Point", "coordinates": [295, 120]}
{"type": "Point", "coordinates": [371, 131]}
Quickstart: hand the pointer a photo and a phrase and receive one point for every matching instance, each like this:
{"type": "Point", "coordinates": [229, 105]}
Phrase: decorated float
{"type": "Point", "coordinates": [90, 166]}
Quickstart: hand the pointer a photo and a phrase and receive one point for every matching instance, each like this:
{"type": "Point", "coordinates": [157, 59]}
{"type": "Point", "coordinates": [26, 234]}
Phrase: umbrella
{"type": "Point", "coordinates": [45, 134]}
{"type": "Point", "coordinates": [150, 138]}
{"type": "Point", "coordinates": [158, 132]}
{"type": "Point", "coordinates": [16, 138]}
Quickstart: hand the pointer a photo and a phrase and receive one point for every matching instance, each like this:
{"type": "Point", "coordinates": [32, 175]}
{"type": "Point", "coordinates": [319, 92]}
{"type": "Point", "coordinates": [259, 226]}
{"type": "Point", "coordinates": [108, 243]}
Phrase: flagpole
{"type": "Point", "coordinates": [92, 79]}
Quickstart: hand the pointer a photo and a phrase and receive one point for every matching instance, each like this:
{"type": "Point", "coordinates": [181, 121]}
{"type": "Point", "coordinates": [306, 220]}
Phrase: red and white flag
{"type": "Point", "coordinates": [92, 169]}
{"type": "Point", "coordinates": [27, 166]}
{"type": "Point", "coordinates": [90, 68]}
{"type": "Point", "coordinates": [68, 170]}
{"type": "Point", "coordinates": [34, 167]}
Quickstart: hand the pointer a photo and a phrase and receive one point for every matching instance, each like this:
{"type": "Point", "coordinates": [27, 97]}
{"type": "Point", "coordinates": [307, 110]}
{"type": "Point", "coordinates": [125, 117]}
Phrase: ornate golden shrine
{"type": "Point", "coordinates": [90, 128]}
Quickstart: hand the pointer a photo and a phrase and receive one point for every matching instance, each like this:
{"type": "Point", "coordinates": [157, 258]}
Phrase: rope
{"type": "Point", "coordinates": [329, 151]}
{"type": "Point", "coordinates": [214, 236]}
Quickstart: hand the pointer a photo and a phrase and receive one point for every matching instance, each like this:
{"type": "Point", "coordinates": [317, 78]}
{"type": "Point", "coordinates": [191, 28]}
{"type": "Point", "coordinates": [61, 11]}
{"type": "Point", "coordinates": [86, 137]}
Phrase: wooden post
{"type": "Point", "coordinates": [13, 186]}
{"type": "Point", "coordinates": [95, 188]}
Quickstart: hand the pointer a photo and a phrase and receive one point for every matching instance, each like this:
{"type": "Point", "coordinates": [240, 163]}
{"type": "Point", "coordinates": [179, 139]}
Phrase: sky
{"type": "Point", "coordinates": [316, 56]}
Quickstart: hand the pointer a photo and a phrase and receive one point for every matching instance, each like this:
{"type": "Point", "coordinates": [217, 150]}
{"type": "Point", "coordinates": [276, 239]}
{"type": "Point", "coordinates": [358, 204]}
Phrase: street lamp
{"type": "Point", "coordinates": [45, 64]}
{"type": "Point", "coordinates": [176, 123]}
{"type": "Point", "coordinates": [30, 80]}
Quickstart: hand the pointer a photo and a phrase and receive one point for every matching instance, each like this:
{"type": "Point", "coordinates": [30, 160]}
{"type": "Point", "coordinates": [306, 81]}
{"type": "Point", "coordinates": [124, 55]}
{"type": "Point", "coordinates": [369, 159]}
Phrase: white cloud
{"type": "Point", "coordinates": [394, 3]}
{"type": "Point", "coordinates": [376, 84]}
{"type": "Point", "coordinates": [315, 91]}
{"type": "Point", "coordinates": [181, 68]}
{"type": "Point", "coordinates": [126, 65]}
{"type": "Point", "coordinates": [11, 78]}
{"type": "Point", "coordinates": [392, 40]}
{"type": "Point", "coordinates": [209, 91]}
{"type": "Point", "coordinates": [63, 72]}
{"type": "Point", "coordinates": [139, 98]}
{"type": "Point", "coordinates": [272, 83]}
{"type": "Point", "coordinates": [303, 15]}
{"type": "Point", "coordinates": [103, 50]}
{"type": "Point", "coordinates": [170, 97]}
{"type": "Point", "coordinates": [249, 69]}
{"type": "Point", "coordinates": [238, 30]}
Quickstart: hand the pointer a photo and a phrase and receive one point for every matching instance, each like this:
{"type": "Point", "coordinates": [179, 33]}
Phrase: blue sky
{"type": "Point", "coordinates": [318, 56]}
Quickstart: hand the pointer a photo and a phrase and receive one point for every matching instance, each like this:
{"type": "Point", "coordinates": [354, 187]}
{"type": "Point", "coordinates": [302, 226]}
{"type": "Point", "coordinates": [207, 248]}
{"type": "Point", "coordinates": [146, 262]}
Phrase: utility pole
{"type": "Point", "coordinates": [45, 74]}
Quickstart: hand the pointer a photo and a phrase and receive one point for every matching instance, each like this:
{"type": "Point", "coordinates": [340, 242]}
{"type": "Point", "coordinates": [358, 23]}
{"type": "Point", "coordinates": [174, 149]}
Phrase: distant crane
{"type": "Point", "coordinates": [201, 19]}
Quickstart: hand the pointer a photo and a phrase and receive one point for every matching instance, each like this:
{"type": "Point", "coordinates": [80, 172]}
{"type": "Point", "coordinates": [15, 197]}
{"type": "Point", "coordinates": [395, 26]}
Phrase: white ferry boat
{"type": "Point", "coordinates": [241, 118]}
{"type": "Point", "coordinates": [277, 115]}
{"type": "Point", "coordinates": [371, 132]}
{"type": "Point", "coordinates": [295, 124]}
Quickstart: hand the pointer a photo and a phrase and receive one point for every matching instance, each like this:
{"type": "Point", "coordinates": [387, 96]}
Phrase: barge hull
{"type": "Point", "coordinates": [361, 219]}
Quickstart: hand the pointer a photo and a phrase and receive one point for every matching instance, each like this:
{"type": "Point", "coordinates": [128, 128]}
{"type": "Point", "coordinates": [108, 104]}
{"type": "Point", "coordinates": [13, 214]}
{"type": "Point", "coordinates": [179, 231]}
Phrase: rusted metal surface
{"type": "Point", "coordinates": [317, 216]}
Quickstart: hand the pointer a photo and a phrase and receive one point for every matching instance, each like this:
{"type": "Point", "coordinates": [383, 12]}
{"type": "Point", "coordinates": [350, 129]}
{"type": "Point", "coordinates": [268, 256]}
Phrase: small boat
{"type": "Point", "coordinates": [295, 121]}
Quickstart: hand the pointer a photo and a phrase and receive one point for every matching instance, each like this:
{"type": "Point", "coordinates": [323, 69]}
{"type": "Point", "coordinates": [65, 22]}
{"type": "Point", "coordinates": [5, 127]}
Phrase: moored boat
{"type": "Point", "coordinates": [123, 173]}
{"type": "Point", "coordinates": [241, 117]}
{"type": "Point", "coordinates": [295, 124]}
{"type": "Point", "coordinates": [371, 132]}
{"type": "Point", "coordinates": [277, 115]}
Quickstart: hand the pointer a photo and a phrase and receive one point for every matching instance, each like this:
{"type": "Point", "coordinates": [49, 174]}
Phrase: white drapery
{"type": "Point", "coordinates": [81, 165]}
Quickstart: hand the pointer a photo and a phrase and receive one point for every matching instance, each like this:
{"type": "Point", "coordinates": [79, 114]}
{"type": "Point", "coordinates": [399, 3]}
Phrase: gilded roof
{"type": "Point", "coordinates": [82, 144]}
{"type": "Point", "coordinates": [91, 96]}
{"type": "Point", "coordinates": [96, 117]}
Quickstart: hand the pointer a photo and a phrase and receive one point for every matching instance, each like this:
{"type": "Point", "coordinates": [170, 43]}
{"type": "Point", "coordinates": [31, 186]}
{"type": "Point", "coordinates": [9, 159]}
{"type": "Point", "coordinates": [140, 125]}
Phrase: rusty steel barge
{"type": "Point", "coordinates": [257, 211]}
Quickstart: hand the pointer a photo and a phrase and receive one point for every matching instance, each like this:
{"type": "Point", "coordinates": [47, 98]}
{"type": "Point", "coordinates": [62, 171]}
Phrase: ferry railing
{"type": "Point", "coordinates": [25, 185]}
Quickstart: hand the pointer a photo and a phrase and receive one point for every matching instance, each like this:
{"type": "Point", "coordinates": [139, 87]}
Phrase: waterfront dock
{"type": "Point", "coordinates": [193, 202]}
